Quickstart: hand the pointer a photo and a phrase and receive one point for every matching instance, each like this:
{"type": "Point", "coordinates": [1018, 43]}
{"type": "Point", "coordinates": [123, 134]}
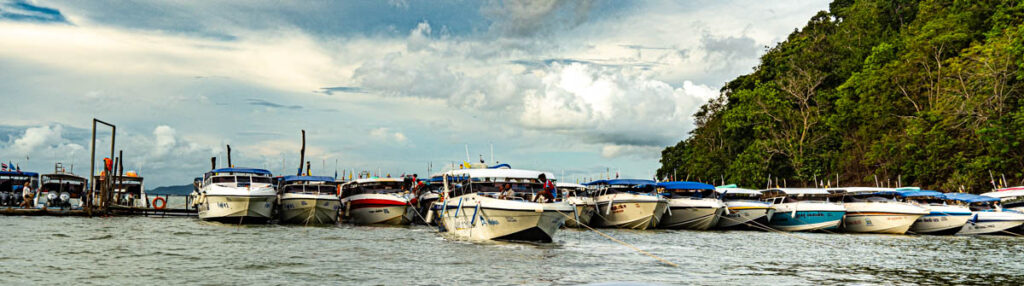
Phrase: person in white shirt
{"type": "Point", "coordinates": [27, 194]}
{"type": "Point", "coordinates": [508, 193]}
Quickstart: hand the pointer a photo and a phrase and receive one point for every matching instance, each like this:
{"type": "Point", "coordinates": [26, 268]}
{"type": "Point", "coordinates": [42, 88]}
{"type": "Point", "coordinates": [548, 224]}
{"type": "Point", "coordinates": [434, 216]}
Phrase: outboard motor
{"type": "Point", "coordinates": [65, 200]}
{"type": "Point", "coordinates": [52, 199]}
{"type": "Point", "coordinates": [5, 198]}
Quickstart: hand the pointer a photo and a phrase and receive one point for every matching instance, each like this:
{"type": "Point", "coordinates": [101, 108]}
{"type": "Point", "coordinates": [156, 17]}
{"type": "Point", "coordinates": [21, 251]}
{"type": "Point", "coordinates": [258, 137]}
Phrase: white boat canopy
{"type": "Point", "coordinates": [1006, 192]}
{"type": "Point", "coordinates": [859, 190]}
{"type": "Point", "coordinates": [800, 191]}
{"type": "Point", "coordinates": [569, 185]}
{"type": "Point", "coordinates": [500, 173]}
{"type": "Point", "coordinates": [721, 190]}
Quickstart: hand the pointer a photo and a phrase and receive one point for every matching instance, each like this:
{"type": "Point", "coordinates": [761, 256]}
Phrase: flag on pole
{"type": "Point", "coordinates": [4, 167]}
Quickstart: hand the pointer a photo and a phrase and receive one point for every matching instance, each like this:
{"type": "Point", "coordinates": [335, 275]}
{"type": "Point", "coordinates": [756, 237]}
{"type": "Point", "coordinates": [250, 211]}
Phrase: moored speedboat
{"type": "Point", "coordinates": [875, 210]}
{"type": "Point", "coordinates": [803, 209]}
{"type": "Point", "coordinates": [987, 216]}
{"type": "Point", "coordinates": [58, 189]}
{"type": "Point", "coordinates": [1009, 198]}
{"type": "Point", "coordinates": [11, 184]}
{"type": "Point", "coordinates": [474, 207]}
{"type": "Point", "coordinates": [627, 203]}
{"type": "Point", "coordinates": [942, 218]}
{"type": "Point", "coordinates": [376, 201]}
{"type": "Point", "coordinates": [309, 200]}
{"type": "Point", "coordinates": [743, 206]}
{"type": "Point", "coordinates": [577, 196]}
{"type": "Point", "coordinates": [691, 205]}
{"type": "Point", "coordinates": [237, 195]}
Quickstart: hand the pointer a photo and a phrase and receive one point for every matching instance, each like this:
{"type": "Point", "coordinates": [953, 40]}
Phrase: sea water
{"type": "Point", "coordinates": [144, 250]}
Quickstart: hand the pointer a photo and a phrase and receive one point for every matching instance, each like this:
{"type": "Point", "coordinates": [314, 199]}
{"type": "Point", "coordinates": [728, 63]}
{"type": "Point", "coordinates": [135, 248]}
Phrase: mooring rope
{"type": "Point", "coordinates": [760, 226]}
{"type": "Point", "coordinates": [662, 260]}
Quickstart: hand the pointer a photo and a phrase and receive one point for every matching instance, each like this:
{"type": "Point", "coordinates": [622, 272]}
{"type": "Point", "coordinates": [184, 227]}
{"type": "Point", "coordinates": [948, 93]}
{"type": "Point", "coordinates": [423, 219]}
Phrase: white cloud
{"type": "Point", "coordinates": [386, 135]}
{"type": "Point", "coordinates": [41, 140]}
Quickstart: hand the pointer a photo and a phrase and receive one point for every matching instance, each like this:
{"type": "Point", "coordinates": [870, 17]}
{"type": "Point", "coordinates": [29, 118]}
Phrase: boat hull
{"type": "Point", "coordinates": [584, 210]}
{"type": "Point", "coordinates": [742, 213]}
{"type": "Point", "coordinates": [692, 214]}
{"type": "Point", "coordinates": [804, 216]}
{"type": "Point", "coordinates": [991, 222]}
{"type": "Point", "coordinates": [881, 217]}
{"type": "Point", "coordinates": [309, 210]}
{"type": "Point", "coordinates": [473, 217]}
{"type": "Point", "coordinates": [942, 220]}
{"type": "Point", "coordinates": [633, 211]}
{"type": "Point", "coordinates": [377, 209]}
{"type": "Point", "coordinates": [237, 208]}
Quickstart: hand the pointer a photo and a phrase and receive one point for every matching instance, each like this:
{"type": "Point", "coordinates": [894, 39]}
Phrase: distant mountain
{"type": "Point", "coordinates": [171, 190]}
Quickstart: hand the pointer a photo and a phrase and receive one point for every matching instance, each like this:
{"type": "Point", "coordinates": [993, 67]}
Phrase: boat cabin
{"type": "Point", "coordinates": [679, 190]}
{"type": "Point", "coordinates": [864, 194]}
{"type": "Point", "coordinates": [313, 185]}
{"type": "Point", "coordinates": [733, 193]}
{"type": "Point", "coordinates": [11, 184]}
{"type": "Point", "coordinates": [1011, 198]}
{"type": "Point", "coordinates": [126, 189]}
{"type": "Point", "coordinates": [614, 186]}
{"type": "Point", "coordinates": [974, 202]}
{"type": "Point", "coordinates": [571, 190]}
{"type": "Point", "coordinates": [525, 184]}
{"type": "Point", "coordinates": [60, 184]}
{"type": "Point", "coordinates": [375, 186]}
{"type": "Point", "coordinates": [237, 177]}
{"type": "Point", "coordinates": [793, 195]}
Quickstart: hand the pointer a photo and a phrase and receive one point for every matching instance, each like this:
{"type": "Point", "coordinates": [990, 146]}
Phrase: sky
{"type": "Point", "coordinates": [582, 89]}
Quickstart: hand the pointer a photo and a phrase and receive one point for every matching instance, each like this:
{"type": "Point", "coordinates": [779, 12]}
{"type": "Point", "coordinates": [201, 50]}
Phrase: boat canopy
{"type": "Point", "coordinates": [911, 193]}
{"type": "Point", "coordinates": [624, 182]}
{"type": "Point", "coordinates": [1006, 192]}
{"type": "Point", "coordinates": [307, 179]}
{"type": "Point", "coordinates": [685, 186]}
{"type": "Point", "coordinates": [859, 190]}
{"type": "Point", "coordinates": [242, 170]}
{"type": "Point", "coordinates": [18, 174]}
{"type": "Point", "coordinates": [969, 198]}
{"type": "Point", "coordinates": [500, 173]}
{"type": "Point", "coordinates": [735, 190]}
{"type": "Point", "coordinates": [800, 191]}
{"type": "Point", "coordinates": [569, 185]}
{"type": "Point", "coordinates": [376, 180]}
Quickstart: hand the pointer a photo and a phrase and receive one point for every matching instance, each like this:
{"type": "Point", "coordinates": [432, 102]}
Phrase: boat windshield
{"type": "Point", "coordinates": [521, 190]}
{"type": "Point", "coordinates": [698, 194]}
{"type": "Point", "coordinates": [868, 197]}
{"type": "Point", "coordinates": [615, 189]}
{"type": "Point", "coordinates": [375, 188]}
{"type": "Point", "coordinates": [310, 189]}
{"type": "Point", "coordinates": [741, 196]}
{"type": "Point", "coordinates": [241, 181]}
{"type": "Point", "coordinates": [573, 191]}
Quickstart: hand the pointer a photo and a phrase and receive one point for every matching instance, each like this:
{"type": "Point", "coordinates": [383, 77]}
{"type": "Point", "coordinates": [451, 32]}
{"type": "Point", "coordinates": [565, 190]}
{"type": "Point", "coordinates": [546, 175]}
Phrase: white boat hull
{"type": "Point", "coordinates": [988, 222]}
{"type": "Point", "coordinates": [309, 210]}
{"type": "Point", "coordinates": [387, 209]}
{"type": "Point", "coordinates": [881, 217]}
{"type": "Point", "coordinates": [585, 209]}
{"type": "Point", "coordinates": [693, 214]}
{"type": "Point", "coordinates": [237, 209]}
{"type": "Point", "coordinates": [741, 213]}
{"type": "Point", "coordinates": [942, 220]}
{"type": "Point", "coordinates": [628, 211]}
{"type": "Point", "coordinates": [473, 217]}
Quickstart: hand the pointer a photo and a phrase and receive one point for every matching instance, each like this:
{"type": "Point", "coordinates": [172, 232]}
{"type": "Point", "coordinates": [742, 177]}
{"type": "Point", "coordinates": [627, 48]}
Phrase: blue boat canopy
{"type": "Point", "coordinates": [633, 182]}
{"type": "Point", "coordinates": [12, 173]}
{"type": "Point", "coordinates": [294, 178]}
{"type": "Point", "coordinates": [242, 170]}
{"type": "Point", "coordinates": [969, 198]}
{"type": "Point", "coordinates": [910, 192]}
{"type": "Point", "coordinates": [685, 186]}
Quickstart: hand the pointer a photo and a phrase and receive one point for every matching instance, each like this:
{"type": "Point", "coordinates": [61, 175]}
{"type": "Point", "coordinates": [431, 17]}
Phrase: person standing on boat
{"type": "Point", "coordinates": [507, 193]}
{"type": "Point", "coordinates": [547, 194]}
{"type": "Point", "coordinates": [27, 194]}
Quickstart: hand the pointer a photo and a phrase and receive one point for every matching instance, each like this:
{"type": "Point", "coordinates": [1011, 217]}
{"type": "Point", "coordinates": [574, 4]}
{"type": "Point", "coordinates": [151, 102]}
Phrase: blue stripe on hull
{"type": "Point", "coordinates": [806, 217]}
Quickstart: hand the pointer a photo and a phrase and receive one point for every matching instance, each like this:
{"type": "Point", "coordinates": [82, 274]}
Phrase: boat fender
{"type": "Point", "coordinates": [161, 205]}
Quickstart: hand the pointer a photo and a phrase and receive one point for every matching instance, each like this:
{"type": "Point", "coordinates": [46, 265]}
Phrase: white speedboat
{"type": "Point", "coordinates": [743, 206]}
{"type": "Point", "coordinates": [803, 209]}
{"type": "Point", "coordinates": [942, 217]}
{"type": "Point", "coordinates": [876, 210]}
{"type": "Point", "coordinates": [61, 189]}
{"type": "Point", "coordinates": [691, 205]}
{"type": "Point", "coordinates": [627, 203]}
{"type": "Point", "coordinates": [237, 195]}
{"type": "Point", "coordinates": [577, 196]}
{"type": "Point", "coordinates": [987, 216]}
{"type": "Point", "coordinates": [1009, 198]}
{"type": "Point", "coordinates": [471, 207]}
{"type": "Point", "coordinates": [309, 200]}
{"type": "Point", "coordinates": [377, 201]}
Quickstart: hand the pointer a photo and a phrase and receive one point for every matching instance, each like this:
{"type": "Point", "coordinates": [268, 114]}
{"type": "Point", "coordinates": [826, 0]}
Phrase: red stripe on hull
{"type": "Point", "coordinates": [376, 203]}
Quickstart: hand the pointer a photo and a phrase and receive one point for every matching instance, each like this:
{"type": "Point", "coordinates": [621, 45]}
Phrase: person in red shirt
{"type": "Point", "coordinates": [547, 194]}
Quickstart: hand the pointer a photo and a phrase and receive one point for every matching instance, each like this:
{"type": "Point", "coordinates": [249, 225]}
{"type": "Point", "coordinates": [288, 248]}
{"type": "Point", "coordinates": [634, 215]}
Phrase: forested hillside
{"type": "Point", "coordinates": [925, 91]}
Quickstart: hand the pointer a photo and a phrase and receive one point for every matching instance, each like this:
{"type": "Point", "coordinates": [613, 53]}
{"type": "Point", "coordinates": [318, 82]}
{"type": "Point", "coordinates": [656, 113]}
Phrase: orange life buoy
{"type": "Point", "coordinates": [162, 205]}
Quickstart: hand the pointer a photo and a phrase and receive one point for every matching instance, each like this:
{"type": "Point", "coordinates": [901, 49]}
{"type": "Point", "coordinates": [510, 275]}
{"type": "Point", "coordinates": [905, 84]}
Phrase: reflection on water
{"type": "Point", "coordinates": [55, 250]}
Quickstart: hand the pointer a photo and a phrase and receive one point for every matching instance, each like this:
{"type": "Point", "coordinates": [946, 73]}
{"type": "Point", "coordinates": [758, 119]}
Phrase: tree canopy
{"type": "Point", "coordinates": [924, 92]}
